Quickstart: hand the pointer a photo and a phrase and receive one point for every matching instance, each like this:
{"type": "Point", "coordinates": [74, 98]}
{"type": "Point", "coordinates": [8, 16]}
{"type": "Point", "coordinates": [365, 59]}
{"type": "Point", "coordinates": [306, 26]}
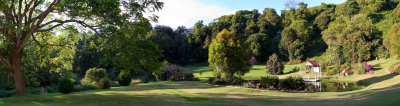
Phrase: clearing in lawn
{"type": "Point", "coordinates": [380, 88]}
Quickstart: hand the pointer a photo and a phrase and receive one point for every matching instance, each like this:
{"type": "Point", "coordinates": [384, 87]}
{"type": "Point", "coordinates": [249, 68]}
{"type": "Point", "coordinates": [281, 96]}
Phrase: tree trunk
{"type": "Point", "coordinates": [15, 61]}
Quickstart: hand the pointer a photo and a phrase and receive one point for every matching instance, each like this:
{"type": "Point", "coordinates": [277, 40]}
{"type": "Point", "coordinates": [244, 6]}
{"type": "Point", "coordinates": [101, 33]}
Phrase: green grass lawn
{"type": "Point", "coordinates": [381, 89]}
{"type": "Point", "coordinates": [255, 73]}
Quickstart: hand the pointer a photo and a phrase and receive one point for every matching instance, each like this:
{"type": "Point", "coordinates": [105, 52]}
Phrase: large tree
{"type": "Point", "coordinates": [392, 41]}
{"type": "Point", "coordinates": [21, 20]}
{"type": "Point", "coordinates": [229, 54]}
{"type": "Point", "coordinates": [357, 37]}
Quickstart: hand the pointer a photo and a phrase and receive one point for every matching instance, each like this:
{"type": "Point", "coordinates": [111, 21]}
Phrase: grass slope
{"type": "Point", "coordinates": [381, 89]}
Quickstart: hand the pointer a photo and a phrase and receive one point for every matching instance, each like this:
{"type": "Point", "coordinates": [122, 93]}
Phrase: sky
{"type": "Point", "coordinates": [187, 12]}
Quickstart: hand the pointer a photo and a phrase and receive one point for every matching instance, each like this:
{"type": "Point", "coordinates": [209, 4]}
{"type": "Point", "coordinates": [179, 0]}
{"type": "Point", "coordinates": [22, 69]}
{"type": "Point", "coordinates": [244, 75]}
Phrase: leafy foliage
{"type": "Point", "coordinates": [229, 54]}
{"type": "Point", "coordinates": [253, 60]}
{"type": "Point", "coordinates": [392, 41]}
{"type": "Point", "coordinates": [124, 78]}
{"type": "Point", "coordinates": [274, 65]}
{"type": "Point", "coordinates": [261, 46]}
{"type": "Point", "coordinates": [65, 85]}
{"type": "Point", "coordinates": [94, 75]}
{"type": "Point", "coordinates": [293, 83]}
{"type": "Point", "coordinates": [270, 82]}
{"type": "Point", "coordinates": [104, 83]}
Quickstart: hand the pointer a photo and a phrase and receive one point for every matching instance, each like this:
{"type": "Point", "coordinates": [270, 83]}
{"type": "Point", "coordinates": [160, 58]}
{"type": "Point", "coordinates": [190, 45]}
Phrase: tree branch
{"type": "Point", "coordinates": [94, 28]}
{"type": "Point", "coordinates": [34, 39]}
{"type": "Point", "coordinates": [7, 63]}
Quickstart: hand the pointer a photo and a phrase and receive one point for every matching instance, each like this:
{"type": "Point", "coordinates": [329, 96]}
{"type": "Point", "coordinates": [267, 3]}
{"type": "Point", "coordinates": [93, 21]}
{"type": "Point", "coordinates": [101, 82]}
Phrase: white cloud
{"type": "Point", "coordinates": [187, 12]}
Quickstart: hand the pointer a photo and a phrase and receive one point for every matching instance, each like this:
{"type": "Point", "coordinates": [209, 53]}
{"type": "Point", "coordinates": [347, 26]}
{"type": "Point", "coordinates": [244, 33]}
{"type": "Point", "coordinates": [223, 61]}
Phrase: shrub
{"type": "Point", "coordinates": [211, 80]}
{"type": "Point", "coordinates": [94, 75]}
{"type": "Point", "coordinates": [217, 81]}
{"type": "Point", "coordinates": [361, 70]}
{"type": "Point", "coordinates": [3, 93]}
{"type": "Point", "coordinates": [250, 84]}
{"type": "Point", "coordinates": [234, 81]}
{"type": "Point", "coordinates": [331, 72]}
{"type": "Point", "coordinates": [368, 68]}
{"type": "Point", "coordinates": [310, 88]}
{"type": "Point", "coordinates": [114, 84]}
{"type": "Point", "coordinates": [293, 83]}
{"type": "Point", "coordinates": [253, 60]}
{"type": "Point", "coordinates": [274, 65]}
{"type": "Point", "coordinates": [124, 78]}
{"type": "Point", "coordinates": [168, 71]}
{"type": "Point", "coordinates": [65, 85]}
{"type": "Point", "coordinates": [270, 82]}
{"type": "Point", "coordinates": [104, 83]}
{"type": "Point", "coordinates": [84, 87]}
{"type": "Point", "coordinates": [396, 69]}
{"type": "Point", "coordinates": [183, 77]}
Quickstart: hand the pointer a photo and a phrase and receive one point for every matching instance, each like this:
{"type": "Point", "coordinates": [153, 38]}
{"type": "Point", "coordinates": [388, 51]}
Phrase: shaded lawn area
{"type": "Point", "coordinates": [197, 93]}
{"type": "Point", "coordinates": [380, 88]}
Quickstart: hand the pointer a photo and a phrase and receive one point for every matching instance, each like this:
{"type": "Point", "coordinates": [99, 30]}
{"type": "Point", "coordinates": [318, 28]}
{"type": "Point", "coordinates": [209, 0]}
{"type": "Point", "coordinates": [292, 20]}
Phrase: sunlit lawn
{"type": "Point", "coordinates": [381, 89]}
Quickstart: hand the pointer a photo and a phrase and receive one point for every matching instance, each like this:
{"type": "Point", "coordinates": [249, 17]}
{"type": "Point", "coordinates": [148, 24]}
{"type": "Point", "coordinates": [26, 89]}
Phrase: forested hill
{"type": "Point", "coordinates": [353, 31]}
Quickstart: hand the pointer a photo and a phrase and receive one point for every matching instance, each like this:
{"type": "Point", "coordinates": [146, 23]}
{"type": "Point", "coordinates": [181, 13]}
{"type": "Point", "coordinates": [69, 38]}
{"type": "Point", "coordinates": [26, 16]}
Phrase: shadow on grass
{"type": "Point", "coordinates": [376, 79]}
{"type": "Point", "coordinates": [169, 85]}
{"type": "Point", "coordinates": [111, 98]}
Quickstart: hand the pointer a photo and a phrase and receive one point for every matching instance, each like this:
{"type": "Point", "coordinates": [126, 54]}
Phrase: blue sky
{"type": "Point", "coordinates": [187, 12]}
{"type": "Point", "coordinates": [261, 4]}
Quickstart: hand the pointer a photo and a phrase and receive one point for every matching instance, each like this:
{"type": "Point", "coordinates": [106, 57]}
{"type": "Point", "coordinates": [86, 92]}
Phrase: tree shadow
{"type": "Point", "coordinates": [376, 79]}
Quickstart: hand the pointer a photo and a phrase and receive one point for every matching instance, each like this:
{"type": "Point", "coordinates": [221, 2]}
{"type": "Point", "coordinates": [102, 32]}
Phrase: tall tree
{"type": "Point", "coordinates": [392, 41]}
{"type": "Point", "coordinates": [261, 46]}
{"type": "Point", "coordinates": [352, 7]}
{"type": "Point", "coordinates": [21, 20]}
{"type": "Point", "coordinates": [269, 22]}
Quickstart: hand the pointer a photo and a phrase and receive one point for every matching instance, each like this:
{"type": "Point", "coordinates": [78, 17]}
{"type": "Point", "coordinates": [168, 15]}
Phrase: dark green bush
{"type": "Point", "coordinates": [183, 77]}
{"type": "Point", "coordinates": [114, 84]}
{"type": "Point", "coordinates": [211, 80]}
{"type": "Point", "coordinates": [361, 70]}
{"type": "Point", "coordinates": [274, 65]}
{"type": "Point", "coordinates": [94, 75]}
{"type": "Point", "coordinates": [65, 85]}
{"type": "Point", "coordinates": [270, 82]}
{"type": "Point", "coordinates": [217, 81]}
{"type": "Point", "coordinates": [104, 83]}
{"type": "Point", "coordinates": [84, 87]}
{"type": "Point", "coordinates": [234, 81]}
{"type": "Point", "coordinates": [124, 78]}
{"type": "Point", "coordinates": [310, 88]}
{"type": "Point", "coordinates": [293, 83]}
{"type": "Point", "coordinates": [220, 82]}
{"type": "Point", "coordinates": [3, 93]}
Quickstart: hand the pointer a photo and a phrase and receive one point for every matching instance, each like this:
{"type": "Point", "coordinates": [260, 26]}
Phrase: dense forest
{"type": "Point", "coordinates": [350, 32]}
{"type": "Point", "coordinates": [342, 34]}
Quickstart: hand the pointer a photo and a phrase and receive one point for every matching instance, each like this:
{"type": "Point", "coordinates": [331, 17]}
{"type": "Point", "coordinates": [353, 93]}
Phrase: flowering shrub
{"type": "Point", "coordinates": [368, 68]}
{"type": "Point", "coordinates": [253, 60]}
{"type": "Point", "coordinates": [397, 68]}
{"type": "Point", "coordinates": [175, 73]}
{"type": "Point", "coordinates": [168, 71]}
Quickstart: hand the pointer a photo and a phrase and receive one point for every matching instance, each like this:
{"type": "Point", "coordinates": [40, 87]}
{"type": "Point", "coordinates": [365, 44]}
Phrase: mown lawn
{"type": "Point", "coordinates": [381, 89]}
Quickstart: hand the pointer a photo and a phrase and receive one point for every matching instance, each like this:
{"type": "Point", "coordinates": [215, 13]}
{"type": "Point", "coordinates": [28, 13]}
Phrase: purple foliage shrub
{"type": "Point", "coordinates": [253, 60]}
